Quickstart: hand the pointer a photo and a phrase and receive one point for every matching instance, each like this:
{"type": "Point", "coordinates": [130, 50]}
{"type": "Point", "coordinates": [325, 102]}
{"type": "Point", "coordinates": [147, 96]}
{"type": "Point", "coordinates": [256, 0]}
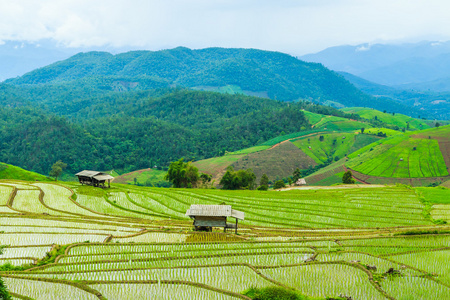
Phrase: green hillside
{"type": "Point", "coordinates": [419, 154]}
{"type": "Point", "coordinates": [399, 120]}
{"type": "Point", "coordinates": [279, 157]}
{"type": "Point", "coordinates": [12, 172]}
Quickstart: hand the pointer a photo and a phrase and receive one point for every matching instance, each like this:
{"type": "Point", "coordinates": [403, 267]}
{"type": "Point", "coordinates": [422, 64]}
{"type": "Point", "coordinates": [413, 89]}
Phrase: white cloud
{"type": "Point", "coordinates": [294, 26]}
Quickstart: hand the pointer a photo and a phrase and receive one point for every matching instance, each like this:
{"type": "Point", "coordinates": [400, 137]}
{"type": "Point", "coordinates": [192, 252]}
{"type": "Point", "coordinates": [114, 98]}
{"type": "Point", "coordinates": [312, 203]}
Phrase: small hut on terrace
{"type": "Point", "coordinates": [94, 178]}
{"type": "Point", "coordinates": [208, 216]}
{"type": "Point", "coordinates": [301, 181]}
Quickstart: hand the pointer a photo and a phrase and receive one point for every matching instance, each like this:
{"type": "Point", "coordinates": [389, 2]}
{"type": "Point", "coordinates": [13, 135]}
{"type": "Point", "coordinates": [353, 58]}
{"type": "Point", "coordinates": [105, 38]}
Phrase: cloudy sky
{"type": "Point", "coordinates": [292, 26]}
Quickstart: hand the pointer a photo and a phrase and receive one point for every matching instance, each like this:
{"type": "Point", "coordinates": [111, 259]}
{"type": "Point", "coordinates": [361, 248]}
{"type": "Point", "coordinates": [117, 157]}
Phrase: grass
{"type": "Point", "coordinates": [12, 172]}
{"type": "Point", "coordinates": [148, 177]}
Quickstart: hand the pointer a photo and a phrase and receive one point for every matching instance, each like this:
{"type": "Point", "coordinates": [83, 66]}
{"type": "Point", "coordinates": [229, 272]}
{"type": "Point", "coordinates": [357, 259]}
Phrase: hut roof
{"type": "Point", "coordinates": [95, 174]}
{"type": "Point", "coordinates": [103, 177]}
{"type": "Point", "coordinates": [214, 211]}
{"type": "Point", "coordinates": [88, 173]}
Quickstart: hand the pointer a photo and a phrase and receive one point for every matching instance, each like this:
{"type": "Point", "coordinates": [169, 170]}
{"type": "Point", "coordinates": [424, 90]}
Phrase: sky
{"type": "Point", "coordinates": [292, 26]}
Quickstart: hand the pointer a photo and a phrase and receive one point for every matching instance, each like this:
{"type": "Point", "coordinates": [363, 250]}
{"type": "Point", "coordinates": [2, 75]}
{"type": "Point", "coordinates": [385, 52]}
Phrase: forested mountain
{"type": "Point", "coordinates": [150, 131]}
{"type": "Point", "coordinates": [255, 72]}
{"type": "Point", "coordinates": [139, 109]}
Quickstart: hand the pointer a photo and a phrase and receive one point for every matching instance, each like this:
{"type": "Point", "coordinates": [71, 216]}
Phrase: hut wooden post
{"type": "Point", "coordinates": [235, 230]}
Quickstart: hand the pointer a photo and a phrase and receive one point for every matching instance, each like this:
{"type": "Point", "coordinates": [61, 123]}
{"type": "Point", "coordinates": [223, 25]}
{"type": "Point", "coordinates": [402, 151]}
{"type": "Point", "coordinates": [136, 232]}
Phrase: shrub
{"type": "Point", "coordinates": [263, 188]}
{"type": "Point", "coordinates": [279, 184]}
{"type": "Point", "coordinates": [273, 293]}
{"type": "Point", "coordinates": [347, 178]}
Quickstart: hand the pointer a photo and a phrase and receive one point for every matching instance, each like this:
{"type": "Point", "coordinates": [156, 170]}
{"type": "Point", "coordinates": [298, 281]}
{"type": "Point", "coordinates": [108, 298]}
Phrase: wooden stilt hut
{"type": "Point", "coordinates": [208, 216]}
{"type": "Point", "coordinates": [94, 178]}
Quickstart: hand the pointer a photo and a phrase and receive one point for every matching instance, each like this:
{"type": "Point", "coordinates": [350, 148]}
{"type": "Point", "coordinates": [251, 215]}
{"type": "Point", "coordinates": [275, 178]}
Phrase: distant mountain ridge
{"type": "Point", "coordinates": [389, 64]}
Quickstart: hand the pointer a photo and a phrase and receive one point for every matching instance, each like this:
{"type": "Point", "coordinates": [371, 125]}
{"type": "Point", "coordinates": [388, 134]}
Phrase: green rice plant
{"type": "Point", "coordinates": [430, 241]}
{"type": "Point", "coordinates": [7, 210]}
{"type": "Point", "coordinates": [149, 203]}
{"type": "Point", "coordinates": [5, 192]}
{"type": "Point", "coordinates": [28, 201]}
{"type": "Point", "coordinates": [321, 280]}
{"type": "Point", "coordinates": [45, 290]}
{"type": "Point", "coordinates": [16, 252]}
{"type": "Point", "coordinates": [130, 291]}
{"type": "Point", "coordinates": [433, 262]}
{"type": "Point", "coordinates": [57, 197]}
{"type": "Point", "coordinates": [381, 264]}
{"type": "Point", "coordinates": [15, 262]}
{"type": "Point", "coordinates": [231, 278]}
{"type": "Point", "coordinates": [15, 239]}
{"type": "Point", "coordinates": [253, 259]}
{"type": "Point", "coordinates": [408, 288]}
{"type": "Point", "coordinates": [154, 237]}
{"type": "Point", "coordinates": [100, 205]}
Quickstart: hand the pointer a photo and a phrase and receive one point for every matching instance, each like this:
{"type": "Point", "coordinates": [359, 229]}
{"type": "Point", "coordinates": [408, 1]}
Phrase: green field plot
{"type": "Point", "coordinates": [441, 212]}
{"type": "Point", "coordinates": [406, 288]}
{"type": "Point", "coordinates": [148, 177]}
{"type": "Point", "coordinates": [409, 158]}
{"type": "Point", "coordinates": [321, 280]}
{"type": "Point", "coordinates": [435, 262]}
{"type": "Point", "coordinates": [216, 164]}
{"type": "Point", "coordinates": [312, 117]}
{"type": "Point", "coordinates": [5, 192]}
{"type": "Point", "coordinates": [58, 198]}
{"type": "Point", "coordinates": [137, 242]}
{"type": "Point", "coordinates": [17, 252]}
{"type": "Point", "coordinates": [317, 209]}
{"type": "Point", "coordinates": [28, 201]}
{"type": "Point", "coordinates": [158, 291]}
{"type": "Point", "coordinates": [333, 145]}
{"type": "Point", "coordinates": [22, 239]}
{"type": "Point", "coordinates": [399, 120]}
{"type": "Point", "coordinates": [380, 131]}
{"type": "Point", "coordinates": [46, 290]}
{"type": "Point", "coordinates": [437, 195]}
{"type": "Point", "coordinates": [102, 206]}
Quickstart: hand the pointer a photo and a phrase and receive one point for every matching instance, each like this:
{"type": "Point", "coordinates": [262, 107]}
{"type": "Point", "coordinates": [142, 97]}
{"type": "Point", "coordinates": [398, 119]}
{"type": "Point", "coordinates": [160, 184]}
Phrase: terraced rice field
{"type": "Point", "coordinates": [136, 243]}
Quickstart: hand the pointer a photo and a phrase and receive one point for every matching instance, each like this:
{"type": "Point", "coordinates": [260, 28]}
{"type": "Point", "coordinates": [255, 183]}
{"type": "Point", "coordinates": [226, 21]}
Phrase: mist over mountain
{"type": "Point", "coordinates": [395, 64]}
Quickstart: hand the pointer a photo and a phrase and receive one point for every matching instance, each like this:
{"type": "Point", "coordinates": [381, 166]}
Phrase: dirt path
{"type": "Point", "coordinates": [353, 176]}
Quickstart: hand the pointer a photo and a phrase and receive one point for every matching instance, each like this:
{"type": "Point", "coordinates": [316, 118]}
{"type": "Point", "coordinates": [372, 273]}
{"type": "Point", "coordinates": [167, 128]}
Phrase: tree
{"type": "Point", "coordinates": [437, 124]}
{"type": "Point", "coordinates": [362, 130]}
{"type": "Point", "coordinates": [182, 174]}
{"type": "Point", "coordinates": [205, 178]}
{"type": "Point", "coordinates": [279, 184]}
{"type": "Point", "coordinates": [321, 138]}
{"type": "Point", "coordinates": [235, 180]}
{"type": "Point", "coordinates": [347, 178]}
{"type": "Point", "coordinates": [264, 181]}
{"type": "Point", "coordinates": [4, 295]}
{"type": "Point", "coordinates": [296, 175]}
{"type": "Point", "coordinates": [57, 169]}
